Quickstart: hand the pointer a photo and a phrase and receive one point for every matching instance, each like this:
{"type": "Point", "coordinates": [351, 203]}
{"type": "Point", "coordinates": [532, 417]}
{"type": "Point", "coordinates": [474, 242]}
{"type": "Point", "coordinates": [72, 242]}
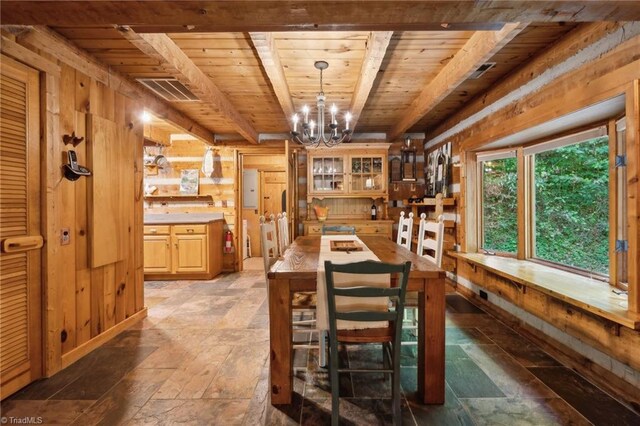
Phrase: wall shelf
{"type": "Point", "coordinates": [178, 197]}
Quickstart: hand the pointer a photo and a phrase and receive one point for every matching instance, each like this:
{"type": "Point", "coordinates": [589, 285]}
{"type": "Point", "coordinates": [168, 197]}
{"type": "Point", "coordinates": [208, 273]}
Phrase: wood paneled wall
{"type": "Point", "coordinates": [582, 84]}
{"type": "Point", "coordinates": [84, 305]}
{"type": "Point", "coordinates": [221, 185]}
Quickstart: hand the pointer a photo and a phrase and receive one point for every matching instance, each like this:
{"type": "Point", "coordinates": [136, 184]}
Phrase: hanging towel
{"type": "Point", "coordinates": [207, 162]}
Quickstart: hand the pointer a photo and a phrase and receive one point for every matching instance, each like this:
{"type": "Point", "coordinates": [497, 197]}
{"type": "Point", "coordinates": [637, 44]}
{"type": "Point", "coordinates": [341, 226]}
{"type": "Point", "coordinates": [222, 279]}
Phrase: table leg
{"type": "Point", "coordinates": [280, 331]}
{"type": "Point", "coordinates": [431, 329]}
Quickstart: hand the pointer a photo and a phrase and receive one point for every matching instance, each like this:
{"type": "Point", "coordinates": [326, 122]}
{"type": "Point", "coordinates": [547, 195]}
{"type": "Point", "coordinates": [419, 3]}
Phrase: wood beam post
{"type": "Point", "coordinates": [264, 44]}
{"type": "Point", "coordinates": [377, 44]}
{"type": "Point", "coordinates": [480, 47]}
{"type": "Point", "coordinates": [174, 61]}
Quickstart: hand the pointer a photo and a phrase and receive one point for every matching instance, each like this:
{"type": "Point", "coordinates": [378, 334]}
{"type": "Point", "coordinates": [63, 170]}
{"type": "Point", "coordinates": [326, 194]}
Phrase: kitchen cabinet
{"type": "Point", "coordinates": [348, 178]}
{"type": "Point", "coordinates": [182, 250]}
{"type": "Point", "coordinates": [348, 170]}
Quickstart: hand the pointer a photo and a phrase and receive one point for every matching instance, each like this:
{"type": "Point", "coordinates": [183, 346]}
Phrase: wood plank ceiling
{"type": "Point", "coordinates": [234, 64]}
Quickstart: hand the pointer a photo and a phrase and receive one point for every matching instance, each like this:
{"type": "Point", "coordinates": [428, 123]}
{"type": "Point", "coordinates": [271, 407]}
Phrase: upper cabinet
{"type": "Point", "coordinates": [348, 170]}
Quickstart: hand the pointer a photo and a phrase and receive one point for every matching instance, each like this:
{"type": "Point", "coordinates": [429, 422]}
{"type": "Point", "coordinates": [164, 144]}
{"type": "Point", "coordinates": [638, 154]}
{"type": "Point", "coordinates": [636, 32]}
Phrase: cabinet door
{"type": "Point", "coordinates": [368, 174]}
{"type": "Point", "coordinates": [327, 175]}
{"type": "Point", "coordinates": [190, 253]}
{"type": "Point", "coordinates": [157, 253]}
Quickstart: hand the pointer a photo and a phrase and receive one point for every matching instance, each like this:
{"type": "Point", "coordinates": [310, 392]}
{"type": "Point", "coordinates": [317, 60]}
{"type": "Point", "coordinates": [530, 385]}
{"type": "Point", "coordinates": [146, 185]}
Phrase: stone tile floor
{"type": "Point", "coordinates": [200, 358]}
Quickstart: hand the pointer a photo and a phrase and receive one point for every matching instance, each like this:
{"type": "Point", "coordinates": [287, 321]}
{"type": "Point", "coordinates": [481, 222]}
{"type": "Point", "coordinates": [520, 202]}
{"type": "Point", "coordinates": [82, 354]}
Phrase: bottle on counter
{"type": "Point", "coordinates": [374, 211]}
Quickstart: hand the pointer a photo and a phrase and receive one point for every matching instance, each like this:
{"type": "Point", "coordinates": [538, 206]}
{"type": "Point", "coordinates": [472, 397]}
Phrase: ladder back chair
{"type": "Point", "coordinates": [430, 242]}
{"type": "Point", "coordinates": [405, 231]}
{"type": "Point", "coordinates": [283, 231]}
{"type": "Point", "coordinates": [268, 243]}
{"type": "Point", "coordinates": [430, 239]}
{"type": "Point", "coordinates": [302, 302]}
{"type": "Point", "coordinates": [387, 336]}
{"type": "Point", "coordinates": [338, 229]}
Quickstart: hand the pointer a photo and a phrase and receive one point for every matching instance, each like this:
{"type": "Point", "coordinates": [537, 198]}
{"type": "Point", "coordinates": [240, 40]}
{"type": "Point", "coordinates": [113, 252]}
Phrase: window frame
{"type": "Point", "coordinates": [481, 157]}
{"type": "Point", "coordinates": [524, 155]}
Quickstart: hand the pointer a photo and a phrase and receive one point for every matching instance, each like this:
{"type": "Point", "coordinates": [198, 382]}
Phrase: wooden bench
{"type": "Point", "coordinates": [511, 277]}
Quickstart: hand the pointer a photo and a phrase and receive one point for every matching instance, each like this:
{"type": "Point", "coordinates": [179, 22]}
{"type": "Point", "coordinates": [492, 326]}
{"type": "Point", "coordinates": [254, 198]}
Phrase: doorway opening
{"type": "Point", "coordinates": [264, 185]}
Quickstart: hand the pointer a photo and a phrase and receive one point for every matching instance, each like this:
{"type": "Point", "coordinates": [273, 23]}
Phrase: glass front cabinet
{"type": "Point", "coordinates": [348, 170]}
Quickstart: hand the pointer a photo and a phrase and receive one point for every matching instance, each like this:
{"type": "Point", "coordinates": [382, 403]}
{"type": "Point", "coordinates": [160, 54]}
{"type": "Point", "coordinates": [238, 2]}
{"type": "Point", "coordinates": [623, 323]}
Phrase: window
{"type": "Point", "coordinates": [564, 200]}
{"type": "Point", "coordinates": [499, 188]}
{"type": "Point", "coordinates": [572, 205]}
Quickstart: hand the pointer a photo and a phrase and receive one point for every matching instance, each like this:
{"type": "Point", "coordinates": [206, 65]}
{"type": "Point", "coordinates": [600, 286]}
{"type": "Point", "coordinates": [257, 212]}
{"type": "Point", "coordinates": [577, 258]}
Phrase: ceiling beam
{"type": "Point", "coordinates": [175, 62]}
{"type": "Point", "coordinates": [309, 15]}
{"type": "Point", "coordinates": [480, 47]}
{"type": "Point", "coordinates": [377, 44]}
{"type": "Point", "coordinates": [62, 49]}
{"type": "Point", "coordinates": [264, 44]}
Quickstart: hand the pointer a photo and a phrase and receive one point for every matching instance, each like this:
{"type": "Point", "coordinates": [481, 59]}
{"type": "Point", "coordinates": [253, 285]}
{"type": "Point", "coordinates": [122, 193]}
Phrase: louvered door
{"type": "Point", "coordinates": [21, 242]}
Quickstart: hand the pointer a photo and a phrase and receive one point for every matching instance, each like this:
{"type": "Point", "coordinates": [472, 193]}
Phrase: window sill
{"type": "Point", "coordinates": [591, 295]}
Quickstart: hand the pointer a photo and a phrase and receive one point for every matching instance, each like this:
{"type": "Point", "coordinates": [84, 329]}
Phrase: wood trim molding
{"type": "Point", "coordinates": [633, 192]}
{"type": "Point", "coordinates": [53, 43]}
{"type": "Point", "coordinates": [268, 53]}
{"type": "Point", "coordinates": [51, 203]}
{"type": "Point", "coordinates": [174, 61]}
{"type": "Point", "coordinates": [480, 47]}
{"type": "Point", "coordinates": [28, 57]}
{"type": "Point", "coordinates": [377, 45]}
{"type": "Point", "coordinates": [82, 350]}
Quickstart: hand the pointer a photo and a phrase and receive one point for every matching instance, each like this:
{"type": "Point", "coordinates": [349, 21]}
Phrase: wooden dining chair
{"type": "Point", "coordinates": [268, 243]}
{"type": "Point", "coordinates": [430, 243]}
{"type": "Point", "coordinates": [430, 239]}
{"type": "Point", "coordinates": [283, 231]}
{"type": "Point", "coordinates": [302, 302]}
{"type": "Point", "coordinates": [338, 229]}
{"type": "Point", "coordinates": [387, 336]}
{"type": "Point", "coordinates": [405, 231]}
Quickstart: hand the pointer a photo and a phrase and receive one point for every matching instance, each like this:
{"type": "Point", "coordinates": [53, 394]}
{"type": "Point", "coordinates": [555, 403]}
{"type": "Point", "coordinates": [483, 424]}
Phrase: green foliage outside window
{"type": "Point", "coordinates": [572, 205]}
{"type": "Point", "coordinates": [499, 204]}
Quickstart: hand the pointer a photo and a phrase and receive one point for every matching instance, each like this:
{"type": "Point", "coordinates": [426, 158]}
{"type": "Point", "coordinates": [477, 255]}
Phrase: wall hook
{"type": "Point", "coordinates": [72, 139]}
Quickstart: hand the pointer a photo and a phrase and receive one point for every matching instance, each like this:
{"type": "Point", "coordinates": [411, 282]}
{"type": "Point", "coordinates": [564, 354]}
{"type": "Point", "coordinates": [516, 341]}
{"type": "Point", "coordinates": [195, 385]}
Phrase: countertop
{"type": "Point", "coordinates": [163, 219]}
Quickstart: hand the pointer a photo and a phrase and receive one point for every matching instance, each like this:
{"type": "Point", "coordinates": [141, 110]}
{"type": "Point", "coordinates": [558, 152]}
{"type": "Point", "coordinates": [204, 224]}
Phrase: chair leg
{"type": "Point", "coordinates": [322, 343]}
{"type": "Point", "coordinates": [396, 409]}
{"type": "Point", "coordinates": [335, 385]}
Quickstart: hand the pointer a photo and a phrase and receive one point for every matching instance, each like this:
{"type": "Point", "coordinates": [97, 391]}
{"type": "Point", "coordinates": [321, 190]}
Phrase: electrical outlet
{"type": "Point", "coordinates": [65, 236]}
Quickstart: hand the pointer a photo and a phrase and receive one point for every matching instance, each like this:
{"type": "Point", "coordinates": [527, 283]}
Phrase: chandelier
{"type": "Point", "coordinates": [308, 136]}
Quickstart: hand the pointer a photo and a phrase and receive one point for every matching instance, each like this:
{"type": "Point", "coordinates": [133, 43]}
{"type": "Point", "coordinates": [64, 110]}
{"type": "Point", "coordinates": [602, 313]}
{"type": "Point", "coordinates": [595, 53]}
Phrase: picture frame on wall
{"type": "Point", "coordinates": [189, 181]}
{"type": "Point", "coordinates": [438, 176]}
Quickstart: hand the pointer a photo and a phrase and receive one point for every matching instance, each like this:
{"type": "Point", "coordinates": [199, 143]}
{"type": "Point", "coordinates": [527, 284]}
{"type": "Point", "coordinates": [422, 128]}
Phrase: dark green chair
{"type": "Point", "coordinates": [389, 337]}
{"type": "Point", "coordinates": [338, 229]}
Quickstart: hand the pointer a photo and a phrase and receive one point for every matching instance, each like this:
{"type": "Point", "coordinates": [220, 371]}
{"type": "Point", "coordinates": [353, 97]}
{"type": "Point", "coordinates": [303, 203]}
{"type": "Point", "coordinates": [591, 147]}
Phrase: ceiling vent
{"type": "Point", "coordinates": [481, 70]}
{"type": "Point", "coordinates": [169, 88]}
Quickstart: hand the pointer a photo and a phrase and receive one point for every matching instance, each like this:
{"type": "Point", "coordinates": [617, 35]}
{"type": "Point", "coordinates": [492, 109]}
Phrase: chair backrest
{"type": "Point", "coordinates": [268, 242]}
{"type": "Point", "coordinates": [395, 294]}
{"type": "Point", "coordinates": [283, 231]}
{"type": "Point", "coordinates": [338, 229]}
{"type": "Point", "coordinates": [430, 239]}
{"type": "Point", "coordinates": [405, 231]}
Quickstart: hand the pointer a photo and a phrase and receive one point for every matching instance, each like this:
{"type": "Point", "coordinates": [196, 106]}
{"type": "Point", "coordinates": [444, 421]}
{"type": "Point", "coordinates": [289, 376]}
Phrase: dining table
{"type": "Point", "coordinates": [296, 271]}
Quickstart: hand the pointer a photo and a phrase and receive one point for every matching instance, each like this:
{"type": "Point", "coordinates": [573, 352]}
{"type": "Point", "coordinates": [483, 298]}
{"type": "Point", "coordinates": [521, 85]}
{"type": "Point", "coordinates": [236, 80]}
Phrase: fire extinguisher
{"type": "Point", "coordinates": [227, 242]}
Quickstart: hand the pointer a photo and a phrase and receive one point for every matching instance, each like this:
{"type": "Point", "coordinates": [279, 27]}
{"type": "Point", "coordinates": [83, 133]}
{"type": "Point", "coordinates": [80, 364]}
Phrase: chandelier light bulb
{"type": "Point", "coordinates": [295, 122]}
{"type": "Point", "coordinates": [305, 111]}
{"type": "Point", "coordinates": [347, 119]}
